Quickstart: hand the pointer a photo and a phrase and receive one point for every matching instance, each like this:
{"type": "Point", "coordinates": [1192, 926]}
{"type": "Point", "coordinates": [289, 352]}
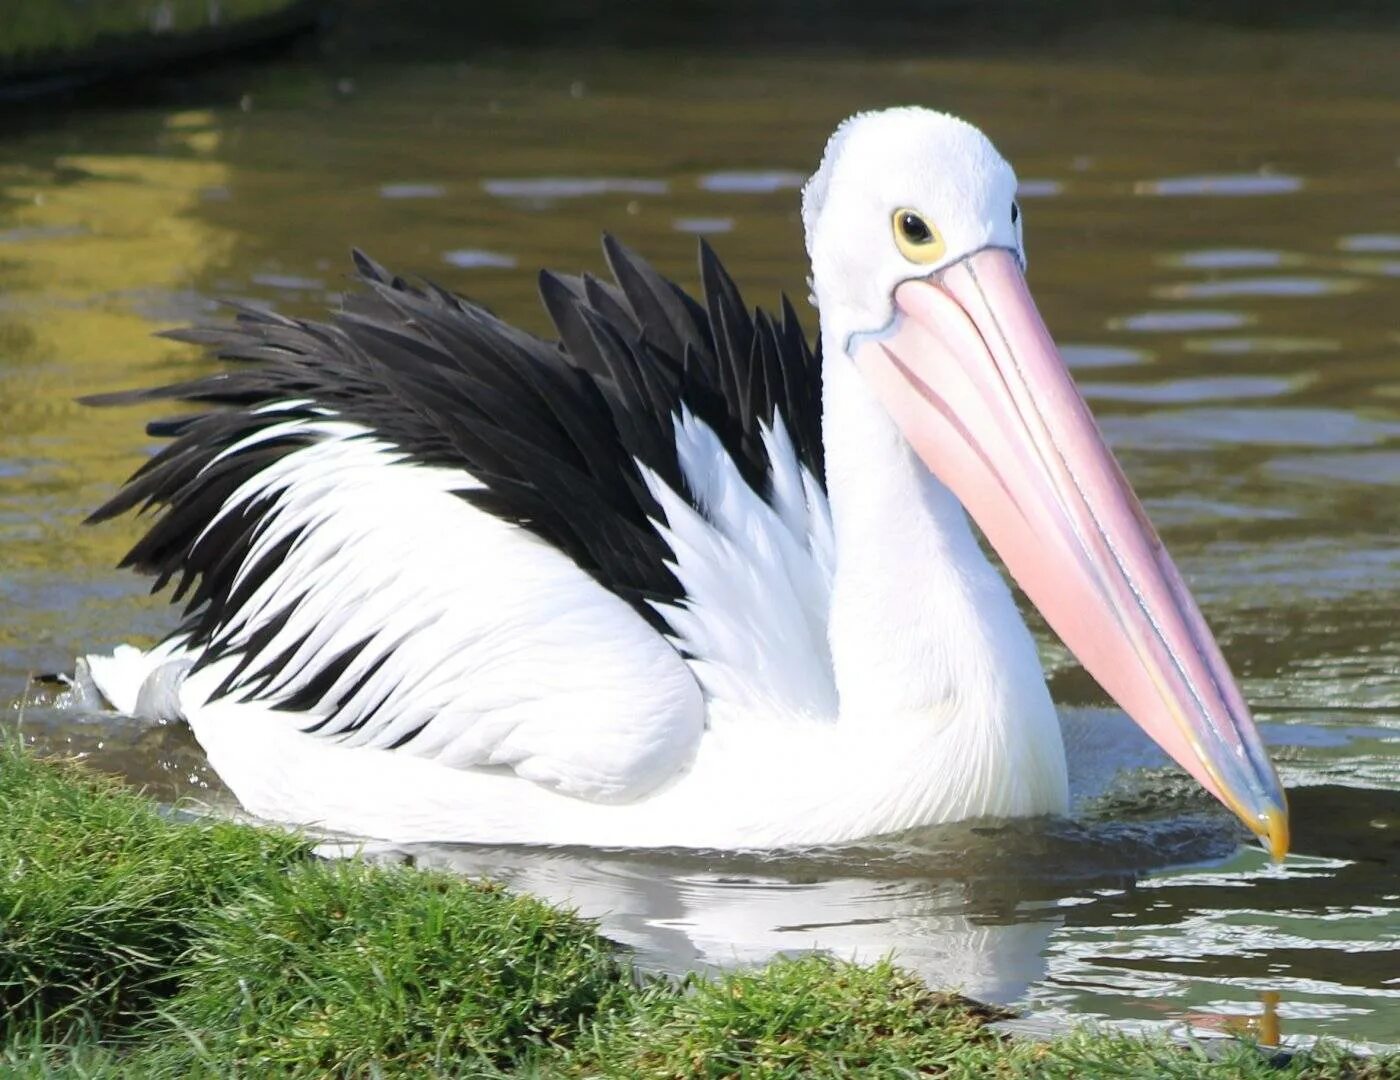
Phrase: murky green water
{"type": "Point", "coordinates": [1213, 220]}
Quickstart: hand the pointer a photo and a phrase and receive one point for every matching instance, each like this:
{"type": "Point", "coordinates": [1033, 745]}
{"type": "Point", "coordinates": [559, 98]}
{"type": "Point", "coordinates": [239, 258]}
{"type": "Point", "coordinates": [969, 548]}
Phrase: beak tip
{"type": "Point", "coordinates": [1272, 827]}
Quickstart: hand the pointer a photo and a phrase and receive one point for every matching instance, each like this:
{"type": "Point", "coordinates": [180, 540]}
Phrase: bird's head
{"type": "Point", "coordinates": [916, 244]}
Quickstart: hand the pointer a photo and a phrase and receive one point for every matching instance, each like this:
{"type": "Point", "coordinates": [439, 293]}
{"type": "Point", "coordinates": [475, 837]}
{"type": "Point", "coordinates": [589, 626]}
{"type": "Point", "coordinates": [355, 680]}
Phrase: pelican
{"type": "Point", "coordinates": [675, 579]}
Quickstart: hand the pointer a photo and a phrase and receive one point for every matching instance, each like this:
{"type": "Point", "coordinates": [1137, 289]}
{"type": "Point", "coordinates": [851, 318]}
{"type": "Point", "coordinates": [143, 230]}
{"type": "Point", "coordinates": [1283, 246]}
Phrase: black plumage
{"type": "Point", "coordinates": [553, 429]}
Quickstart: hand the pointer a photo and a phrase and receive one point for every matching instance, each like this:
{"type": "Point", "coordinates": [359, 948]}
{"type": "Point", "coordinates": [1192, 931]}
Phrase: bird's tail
{"type": "Point", "coordinates": [143, 684]}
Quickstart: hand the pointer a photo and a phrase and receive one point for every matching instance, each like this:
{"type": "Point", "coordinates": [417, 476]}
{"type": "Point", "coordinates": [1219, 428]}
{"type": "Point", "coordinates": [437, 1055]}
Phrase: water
{"type": "Point", "coordinates": [1211, 216]}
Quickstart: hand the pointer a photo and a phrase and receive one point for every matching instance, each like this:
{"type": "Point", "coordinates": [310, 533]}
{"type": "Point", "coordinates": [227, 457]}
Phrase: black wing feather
{"type": "Point", "coordinates": [552, 429]}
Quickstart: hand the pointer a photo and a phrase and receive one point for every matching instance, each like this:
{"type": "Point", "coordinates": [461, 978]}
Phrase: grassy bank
{"type": "Point", "coordinates": [132, 943]}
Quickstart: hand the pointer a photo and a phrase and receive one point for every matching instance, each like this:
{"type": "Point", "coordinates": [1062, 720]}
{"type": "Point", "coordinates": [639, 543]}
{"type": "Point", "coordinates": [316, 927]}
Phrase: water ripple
{"type": "Point", "coordinates": [1039, 189]}
{"type": "Point", "coordinates": [1192, 510]}
{"type": "Point", "coordinates": [1230, 184]}
{"type": "Point", "coordinates": [1226, 259]}
{"type": "Point", "coordinates": [1240, 346]}
{"type": "Point", "coordinates": [1375, 467]}
{"type": "Point", "coordinates": [1178, 322]}
{"type": "Point", "coordinates": [1383, 267]}
{"type": "Point", "coordinates": [478, 259]}
{"type": "Point", "coordinates": [751, 182]}
{"type": "Point", "coordinates": [573, 187]}
{"type": "Point", "coordinates": [1185, 391]}
{"type": "Point", "coordinates": [703, 225]}
{"type": "Point", "coordinates": [287, 282]}
{"type": "Point", "coordinates": [1191, 429]}
{"type": "Point", "coordinates": [1102, 356]}
{"type": "Point", "coordinates": [1370, 242]}
{"type": "Point", "coordinates": [1258, 286]}
{"type": "Point", "coordinates": [25, 233]}
{"type": "Point", "coordinates": [412, 191]}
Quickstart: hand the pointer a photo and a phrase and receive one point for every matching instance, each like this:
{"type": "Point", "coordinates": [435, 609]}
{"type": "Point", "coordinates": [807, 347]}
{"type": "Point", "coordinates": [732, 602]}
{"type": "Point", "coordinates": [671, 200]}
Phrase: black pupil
{"type": "Point", "coordinates": [914, 229]}
{"type": "Point", "coordinates": [1015, 213]}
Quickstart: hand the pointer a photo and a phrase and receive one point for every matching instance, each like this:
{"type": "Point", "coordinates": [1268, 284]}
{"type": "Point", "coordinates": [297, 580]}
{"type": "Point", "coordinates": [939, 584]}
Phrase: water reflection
{"type": "Point", "coordinates": [696, 915]}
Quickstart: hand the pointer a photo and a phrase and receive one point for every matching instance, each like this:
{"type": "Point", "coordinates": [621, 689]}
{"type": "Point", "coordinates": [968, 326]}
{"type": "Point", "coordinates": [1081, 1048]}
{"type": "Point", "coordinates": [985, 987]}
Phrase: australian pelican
{"type": "Point", "coordinates": [674, 579]}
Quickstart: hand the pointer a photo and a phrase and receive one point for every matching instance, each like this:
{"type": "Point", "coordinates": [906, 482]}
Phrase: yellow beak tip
{"type": "Point", "coordinates": [1273, 831]}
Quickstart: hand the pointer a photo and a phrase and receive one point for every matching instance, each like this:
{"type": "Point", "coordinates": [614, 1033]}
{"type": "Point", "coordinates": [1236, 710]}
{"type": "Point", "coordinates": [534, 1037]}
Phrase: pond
{"type": "Point", "coordinates": [1213, 225]}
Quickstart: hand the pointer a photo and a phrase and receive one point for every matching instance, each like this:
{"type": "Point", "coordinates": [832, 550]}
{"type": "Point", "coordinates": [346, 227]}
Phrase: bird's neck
{"type": "Point", "coordinates": [924, 631]}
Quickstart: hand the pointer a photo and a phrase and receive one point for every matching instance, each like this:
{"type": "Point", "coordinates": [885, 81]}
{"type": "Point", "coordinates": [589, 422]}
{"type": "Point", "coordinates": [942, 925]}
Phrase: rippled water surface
{"type": "Point", "coordinates": [1213, 221]}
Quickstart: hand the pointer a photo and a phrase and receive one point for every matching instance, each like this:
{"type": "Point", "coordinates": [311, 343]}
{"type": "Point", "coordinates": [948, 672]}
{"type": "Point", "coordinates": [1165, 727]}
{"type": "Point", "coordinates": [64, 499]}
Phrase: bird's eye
{"type": "Point", "coordinates": [914, 228]}
{"type": "Point", "coordinates": [1015, 213]}
{"type": "Point", "coordinates": [917, 240]}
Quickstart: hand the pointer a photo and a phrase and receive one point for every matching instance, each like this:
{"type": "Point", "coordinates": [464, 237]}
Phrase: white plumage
{"type": "Point", "coordinates": [551, 712]}
{"type": "Point", "coordinates": [757, 577]}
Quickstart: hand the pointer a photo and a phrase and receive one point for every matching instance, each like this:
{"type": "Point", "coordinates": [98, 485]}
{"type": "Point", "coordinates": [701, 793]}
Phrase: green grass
{"type": "Point", "coordinates": [99, 894]}
{"type": "Point", "coordinates": [812, 1017]}
{"type": "Point", "coordinates": [135, 944]}
{"type": "Point", "coordinates": [356, 967]}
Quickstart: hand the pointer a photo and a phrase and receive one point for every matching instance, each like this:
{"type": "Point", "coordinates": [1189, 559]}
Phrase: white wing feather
{"type": "Point", "coordinates": [478, 644]}
{"type": "Point", "coordinates": [474, 643]}
{"type": "Point", "coordinates": [756, 577]}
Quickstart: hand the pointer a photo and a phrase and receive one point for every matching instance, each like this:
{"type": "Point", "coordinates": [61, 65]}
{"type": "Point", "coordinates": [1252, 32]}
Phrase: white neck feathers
{"type": "Point", "coordinates": [924, 632]}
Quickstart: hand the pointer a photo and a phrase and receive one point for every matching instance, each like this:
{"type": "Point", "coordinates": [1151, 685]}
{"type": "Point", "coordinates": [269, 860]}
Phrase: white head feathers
{"type": "Point", "coordinates": [877, 163]}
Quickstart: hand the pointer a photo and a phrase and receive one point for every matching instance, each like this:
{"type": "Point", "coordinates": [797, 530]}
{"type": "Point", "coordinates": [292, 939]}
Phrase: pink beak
{"type": "Point", "coordinates": [971, 376]}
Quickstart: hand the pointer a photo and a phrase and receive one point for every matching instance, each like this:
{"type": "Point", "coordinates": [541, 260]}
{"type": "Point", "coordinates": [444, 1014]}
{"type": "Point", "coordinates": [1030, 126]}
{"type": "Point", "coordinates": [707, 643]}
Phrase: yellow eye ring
{"type": "Point", "coordinates": [917, 238]}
